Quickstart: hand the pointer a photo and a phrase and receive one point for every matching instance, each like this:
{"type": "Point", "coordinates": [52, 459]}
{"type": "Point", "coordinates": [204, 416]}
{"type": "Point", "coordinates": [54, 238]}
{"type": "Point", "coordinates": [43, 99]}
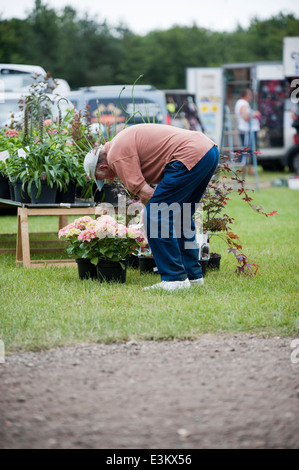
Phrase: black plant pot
{"type": "Point", "coordinates": [4, 187]}
{"type": "Point", "coordinates": [204, 265]}
{"type": "Point", "coordinates": [214, 261]}
{"type": "Point", "coordinates": [68, 196]}
{"type": "Point", "coordinates": [86, 269]}
{"type": "Point", "coordinates": [11, 191]}
{"type": "Point", "coordinates": [21, 196]}
{"type": "Point", "coordinates": [147, 264]}
{"type": "Point", "coordinates": [109, 271]}
{"type": "Point", "coordinates": [111, 195]}
{"type": "Point", "coordinates": [95, 193]}
{"type": "Point", "coordinates": [46, 196]}
{"type": "Point", "coordinates": [133, 261]}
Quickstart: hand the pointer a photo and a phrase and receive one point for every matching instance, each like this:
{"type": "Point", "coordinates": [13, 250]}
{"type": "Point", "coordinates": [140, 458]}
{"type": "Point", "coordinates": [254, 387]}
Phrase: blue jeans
{"type": "Point", "coordinates": [248, 141]}
{"type": "Point", "coordinates": [168, 218]}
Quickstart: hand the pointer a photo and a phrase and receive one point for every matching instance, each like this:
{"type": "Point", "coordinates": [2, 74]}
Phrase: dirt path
{"type": "Point", "coordinates": [236, 391]}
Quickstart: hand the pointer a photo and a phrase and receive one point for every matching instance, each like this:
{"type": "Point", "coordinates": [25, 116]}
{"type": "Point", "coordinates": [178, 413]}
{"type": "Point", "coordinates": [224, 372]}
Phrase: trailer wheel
{"type": "Point", "coordinates": [293, 160]}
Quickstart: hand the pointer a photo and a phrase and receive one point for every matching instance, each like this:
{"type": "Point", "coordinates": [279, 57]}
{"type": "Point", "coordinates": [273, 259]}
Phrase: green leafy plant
{"type": "Point", "coordinates": [49, 153]}
{"type": "Point", "coordinates": [101, 239]}
{"type": "Point", "coordinates": [10, 141]}
{"type": "Point", "coordinates": [215, 218]}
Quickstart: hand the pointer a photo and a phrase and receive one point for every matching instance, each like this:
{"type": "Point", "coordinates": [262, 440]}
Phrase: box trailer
{"type": "Point", "coordinates": [291, 73]}
{"type": "Point", "coordinates": [217, 90]}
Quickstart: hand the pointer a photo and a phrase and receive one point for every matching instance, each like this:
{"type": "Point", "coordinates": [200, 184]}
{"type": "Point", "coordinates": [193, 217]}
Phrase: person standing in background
{"type": "Point", "coordinates": [248, 122]}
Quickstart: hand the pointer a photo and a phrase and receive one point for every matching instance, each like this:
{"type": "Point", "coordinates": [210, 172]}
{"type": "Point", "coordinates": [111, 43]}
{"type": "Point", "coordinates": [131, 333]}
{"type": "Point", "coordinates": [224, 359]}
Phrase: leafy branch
{"type": "Point", "coordinates": [217, 222]}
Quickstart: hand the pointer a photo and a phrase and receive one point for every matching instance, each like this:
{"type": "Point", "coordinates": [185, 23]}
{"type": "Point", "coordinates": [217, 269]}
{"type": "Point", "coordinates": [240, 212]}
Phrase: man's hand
{"type": "Point", "coordinates": [145, 194]}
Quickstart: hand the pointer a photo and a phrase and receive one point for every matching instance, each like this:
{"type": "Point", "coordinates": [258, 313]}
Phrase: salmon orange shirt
{"type": "Point", "coordinates": [139, 154]}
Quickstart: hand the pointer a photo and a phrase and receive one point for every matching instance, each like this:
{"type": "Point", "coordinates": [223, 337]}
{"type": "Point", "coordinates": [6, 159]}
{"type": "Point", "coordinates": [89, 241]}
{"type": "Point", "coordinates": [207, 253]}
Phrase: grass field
{"type": "Point", "coordinates": [49, 307]}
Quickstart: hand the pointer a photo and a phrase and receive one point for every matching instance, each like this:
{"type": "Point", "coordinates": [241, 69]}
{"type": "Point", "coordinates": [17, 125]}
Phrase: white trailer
{"type": "Point", "coordinates": [291, 74]}
{"type": "Point", "coordinates": [218, 88]}
{"type": "Point", "coordinates": [207, 85]}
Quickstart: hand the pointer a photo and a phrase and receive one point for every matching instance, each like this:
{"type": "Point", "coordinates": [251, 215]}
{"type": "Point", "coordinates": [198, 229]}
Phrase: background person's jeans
{"type": "Point", "coordinates": [248, 141]}
{"type": "Point", "coordinates": [177, 254]}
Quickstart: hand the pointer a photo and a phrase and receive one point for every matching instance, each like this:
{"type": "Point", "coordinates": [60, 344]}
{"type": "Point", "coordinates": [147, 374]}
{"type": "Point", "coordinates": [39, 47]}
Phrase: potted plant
{"type": "Point", "coordinates": [4, 181]}
{"type": "Point", "coordinates": [39, 172]}
{"type": "Point", "coordinates": [147, 262]}
{"type": "Point", "coordinates": [10, 141]}
{"type": "Point", "coordinates": [217, 222]}
{"type": "Point", "coordinates": [49, 162]}
{"type": "Point", "coordinates": [105, 243]}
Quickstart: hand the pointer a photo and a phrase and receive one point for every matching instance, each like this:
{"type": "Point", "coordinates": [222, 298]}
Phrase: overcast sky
{"type": "Point", "coordinates": [144, 16]}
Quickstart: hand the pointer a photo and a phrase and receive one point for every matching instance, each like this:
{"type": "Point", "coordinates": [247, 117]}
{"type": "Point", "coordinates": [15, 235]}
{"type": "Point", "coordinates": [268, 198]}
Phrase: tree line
{"type": "Point", "coordinates": [86, 52]}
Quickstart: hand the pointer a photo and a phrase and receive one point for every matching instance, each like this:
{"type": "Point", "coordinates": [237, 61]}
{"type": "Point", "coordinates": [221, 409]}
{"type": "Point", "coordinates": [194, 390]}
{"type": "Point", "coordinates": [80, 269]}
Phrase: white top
{"type": "Point", "coordinates": [244, 126]}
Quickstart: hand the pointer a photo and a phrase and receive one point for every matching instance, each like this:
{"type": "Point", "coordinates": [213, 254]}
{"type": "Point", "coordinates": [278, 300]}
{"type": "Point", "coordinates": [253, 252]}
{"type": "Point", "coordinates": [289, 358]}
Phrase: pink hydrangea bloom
{"type": "Point", "coordinates": [137, 234]}
{"type": "Point", "coordinates": [75, 227]}
{"type": "Point", "coordinates": [47, 122]}
{"type": "Point", "coordinates": [107, 219]}
{"type": "Point", "coordinates": [121, 230]}
{"type": "Point", "coordinates": [91, 224]}
{"type": "Point", "coordinates": [69, 231]}
{"type": "Point", "coordinates": [11, 133]}
{"type": "Point", "coordinates": [82, 222]}
{"type": "Point", "coordinates": [106, 226]}
{"type": "Point", "coordinates": [87, 235]}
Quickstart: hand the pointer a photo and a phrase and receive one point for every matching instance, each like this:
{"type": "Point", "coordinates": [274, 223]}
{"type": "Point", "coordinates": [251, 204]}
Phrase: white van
{"type": "Point", "coordinates": [15, 83]}
{"type": "Point", "coordinates": [110, 106]}
{"type": "Point", "coordinates": [18, 78]}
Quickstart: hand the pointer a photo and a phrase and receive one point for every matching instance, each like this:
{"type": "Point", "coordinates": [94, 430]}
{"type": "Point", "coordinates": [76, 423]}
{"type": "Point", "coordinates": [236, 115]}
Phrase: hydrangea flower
{"type": "Point", "coordinates": [103, 238]}
{"type": "Point", "coordinates": [12, 133]}
{"type": "Point", "coordinates": [87, 235]}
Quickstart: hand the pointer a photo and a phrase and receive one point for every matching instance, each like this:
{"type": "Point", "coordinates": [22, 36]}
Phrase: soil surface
{"type": "Point", "coordinates": [220, 391]}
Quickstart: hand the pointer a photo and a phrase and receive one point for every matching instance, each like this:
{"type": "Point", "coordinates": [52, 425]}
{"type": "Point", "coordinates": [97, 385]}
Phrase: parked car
{"type": "Point", "coordinates": [15, 83]}
{"type": "Point", "coordinates": [18, 78]}
{"type": "Point", "coordinates": [110, 106]}
{"type": "Point", "coordinates": [10, 109]}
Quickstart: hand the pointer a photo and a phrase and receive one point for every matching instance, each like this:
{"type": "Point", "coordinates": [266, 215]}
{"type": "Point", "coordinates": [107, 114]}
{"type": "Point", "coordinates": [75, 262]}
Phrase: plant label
{"type": "Point", "coordinates": [4, 156]}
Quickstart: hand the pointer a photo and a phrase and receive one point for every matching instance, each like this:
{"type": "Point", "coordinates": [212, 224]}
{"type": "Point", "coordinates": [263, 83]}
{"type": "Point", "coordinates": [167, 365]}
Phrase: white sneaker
{"type": "Point", "coordinates": [197, 282]}
{"type": "Point", "coordinates": [170, 285]}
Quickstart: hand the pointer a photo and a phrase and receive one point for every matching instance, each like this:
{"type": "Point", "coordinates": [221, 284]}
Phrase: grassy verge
{"type": "Point", "coordinates": [49, 307]}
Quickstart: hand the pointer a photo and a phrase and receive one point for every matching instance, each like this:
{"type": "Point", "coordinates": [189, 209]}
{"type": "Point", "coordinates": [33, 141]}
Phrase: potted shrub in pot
{"type": "Point", "coordinates": [48, 161]}
{"type": "Point", "coordinates": [217, 222]}
{"type": "Point", "coordinates": [4, 181]}
{"type": "Point", "coordinates": [70, 163]}
{"type": "Point", "coordinates": [105, 243]}
{"type": "Point", "coordinates": [147, 263]}
{"type": "Point", "coordinates": [39, 172]}
{"type": "Point", "coordinates": [10, 141]}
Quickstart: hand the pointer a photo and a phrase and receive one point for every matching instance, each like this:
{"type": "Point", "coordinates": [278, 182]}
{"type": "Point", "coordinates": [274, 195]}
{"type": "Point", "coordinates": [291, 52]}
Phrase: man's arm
{"type": "Point", "coordinates": [246, 113]}
{"type": "Point", "coordinates": [145, 194]}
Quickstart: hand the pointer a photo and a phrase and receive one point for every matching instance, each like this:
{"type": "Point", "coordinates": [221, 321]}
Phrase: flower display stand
{"type": "Point", "coordinates": [23, 255]}
{"type": "Point", "coordinates": [23, 244]}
